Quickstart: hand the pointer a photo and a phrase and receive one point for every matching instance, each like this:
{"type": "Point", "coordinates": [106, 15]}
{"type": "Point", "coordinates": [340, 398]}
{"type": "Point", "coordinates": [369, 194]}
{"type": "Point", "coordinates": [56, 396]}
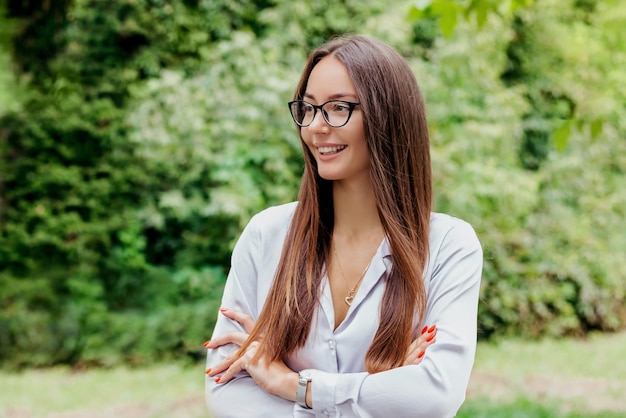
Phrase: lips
{"type": "Point", "coordinates": [331, 150]}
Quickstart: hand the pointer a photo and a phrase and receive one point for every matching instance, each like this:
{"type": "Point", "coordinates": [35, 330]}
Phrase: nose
{"type": "Point", "coordinates": [318, 124]}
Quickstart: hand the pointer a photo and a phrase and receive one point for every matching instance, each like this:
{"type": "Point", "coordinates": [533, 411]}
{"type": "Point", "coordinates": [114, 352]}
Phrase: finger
{"type": "Point", "coordinates": [234, 337]}
{"type": "Point", "coordinates": [417, 355]}
{"type": "Point", "coordinates": [418, 347]}
{"type": "Point", "coordinates": [414, 359]}
{"type": "Point", "coordinates": [425, 340]}
{"type": "Point", "coordinates": [234, 368]}
{"type": "Point", "coordinates": [413, 351]}
{"type": "Point", "coordinates": [222, 365]}
{"type": "Point", "coordinates": [239, 365]}
{"type": "Point", "coordinates": [245, 320]}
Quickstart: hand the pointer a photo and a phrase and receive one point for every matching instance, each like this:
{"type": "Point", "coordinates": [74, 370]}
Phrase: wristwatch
{"type": "Point", "coordinates": [305, 377]}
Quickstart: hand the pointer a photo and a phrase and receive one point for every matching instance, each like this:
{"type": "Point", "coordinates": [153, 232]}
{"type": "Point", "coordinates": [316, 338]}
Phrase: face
{"type": "Point", "coordinates": [341, 153]}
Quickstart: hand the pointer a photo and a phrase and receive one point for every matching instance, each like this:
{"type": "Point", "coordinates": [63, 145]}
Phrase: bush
{"type": "Point", "coordinates": [153, 129]}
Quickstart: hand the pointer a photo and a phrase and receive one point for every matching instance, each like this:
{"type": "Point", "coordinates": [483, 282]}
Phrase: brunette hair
{"type": "Point", "coordinates": [396, 135]}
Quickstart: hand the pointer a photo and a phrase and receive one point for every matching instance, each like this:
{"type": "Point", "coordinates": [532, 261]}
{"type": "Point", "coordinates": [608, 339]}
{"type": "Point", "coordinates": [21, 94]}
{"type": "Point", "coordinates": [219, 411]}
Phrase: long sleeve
{"type": "Point", "coordinates": [436, 387]}
{"type": "Point", "coordinates": [335, 357]}
{"type": "Point", "coordinates": [246, 286]}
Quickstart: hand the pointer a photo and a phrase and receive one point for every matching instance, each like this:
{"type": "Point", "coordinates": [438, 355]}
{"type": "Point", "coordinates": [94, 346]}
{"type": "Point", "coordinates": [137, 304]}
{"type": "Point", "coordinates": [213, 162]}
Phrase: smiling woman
{"type": "Point", "coordinates": [333, 303]}
{"type": "Point", "coordinates": [340, 154]}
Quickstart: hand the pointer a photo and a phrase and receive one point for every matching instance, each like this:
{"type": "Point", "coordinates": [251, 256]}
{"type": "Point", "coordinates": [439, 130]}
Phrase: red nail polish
{"type": "Point", "coordinates": [429, 339]}
{"type": "Point", "coordinates": [217, 379]}
{"type": "Point", "coordinates": [421, 354]}
{"type": "Point", "coordinates": [425, 329]}
{"type": "Point", "coordinates": [206, 343]}
{"type": "Point", "coordinates": [207, 371]}
{"type": "Point", "coordinates": [431, 329]}
{"type": "Point", "coordinates": [223, 309]}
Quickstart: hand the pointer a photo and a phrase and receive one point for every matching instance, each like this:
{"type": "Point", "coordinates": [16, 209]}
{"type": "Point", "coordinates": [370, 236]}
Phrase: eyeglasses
{"type": "Point", "coordinates": [336, 113]}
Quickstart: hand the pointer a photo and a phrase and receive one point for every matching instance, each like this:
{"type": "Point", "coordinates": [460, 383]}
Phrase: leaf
{"type": "Point", "coordinates": [415, 13]}
{"type": "Point", "coordinates": [596, 128]}
{"type": "Point", "coordinates": [481, 17]}
{"type": "Point", "coordinates": [561, 136]}
{"type": "Point", "coordinates": [422, 4]}
{"type": "Point", "coordinates": [448, 15]}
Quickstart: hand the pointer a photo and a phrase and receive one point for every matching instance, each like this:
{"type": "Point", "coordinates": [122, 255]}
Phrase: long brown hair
{"type": "Point", "coordinates": [396, 134]}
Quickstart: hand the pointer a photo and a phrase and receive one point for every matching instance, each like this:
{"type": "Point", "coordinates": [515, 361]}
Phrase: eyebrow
{"type": "Point", "coordinates": [335, 96]}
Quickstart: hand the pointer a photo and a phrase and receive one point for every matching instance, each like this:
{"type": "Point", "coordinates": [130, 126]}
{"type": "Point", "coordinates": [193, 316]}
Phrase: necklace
{"type": "Point", "coordinates": [348, 299]}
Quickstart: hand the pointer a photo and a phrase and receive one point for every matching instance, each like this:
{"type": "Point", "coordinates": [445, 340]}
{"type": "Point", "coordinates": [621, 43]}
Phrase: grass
{"type": "Point", "coordinates": [513, 379]}
{"type": "Point", "coordinates": [162, 391]}
{"type": "Point", "coordinates": [562, 378]}
{"type": "Point", "coordinates": [524, 408]}
{"type": "Point", "coordinates": [594, 357]}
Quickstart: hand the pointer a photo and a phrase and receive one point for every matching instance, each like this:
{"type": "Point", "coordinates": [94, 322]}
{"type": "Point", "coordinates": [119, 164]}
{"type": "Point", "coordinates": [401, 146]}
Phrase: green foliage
{"type": "Point", "coordinates": [10, 90]}
{"type": "Point", "coordinates": [81, 237]}
{"type": "Point", "coordinates": [523, 408]}
{"type": "Point", "coordinates": [554, 254]}
{"type": "Point", "coordinates": [448, 12]}
{"type": "Point", "coordinates": [152, 130]}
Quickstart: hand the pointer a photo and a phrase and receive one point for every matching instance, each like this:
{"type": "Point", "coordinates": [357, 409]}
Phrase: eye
{"type": "Point", "coordinates": [306, 108]}
{"type": "Point", "coordinates": [339, 107]}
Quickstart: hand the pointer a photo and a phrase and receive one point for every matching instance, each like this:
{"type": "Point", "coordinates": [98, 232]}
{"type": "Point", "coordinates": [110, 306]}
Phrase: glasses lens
{"type": "Point", "coordinates": [337, 112]}
{"type": "Point", "coordinates": [302, 112]}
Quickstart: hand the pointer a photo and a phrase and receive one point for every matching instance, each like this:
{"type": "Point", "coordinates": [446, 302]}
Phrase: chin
{"type": "Point", "coordinates": [330, 175]}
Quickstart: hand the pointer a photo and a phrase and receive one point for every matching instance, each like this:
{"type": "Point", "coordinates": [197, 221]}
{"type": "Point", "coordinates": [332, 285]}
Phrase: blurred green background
{"type": "Point", "coordinates": [137, 137]}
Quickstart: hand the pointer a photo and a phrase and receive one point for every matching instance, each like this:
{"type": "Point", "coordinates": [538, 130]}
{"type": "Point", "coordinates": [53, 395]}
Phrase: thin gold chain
{"type": "Point", "coordinates": [348, 299]}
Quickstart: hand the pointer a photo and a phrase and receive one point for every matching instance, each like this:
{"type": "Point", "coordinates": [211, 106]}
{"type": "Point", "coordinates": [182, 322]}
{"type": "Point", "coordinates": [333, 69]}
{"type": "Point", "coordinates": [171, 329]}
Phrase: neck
{"type": "Point", "coordinates": [356, 215]}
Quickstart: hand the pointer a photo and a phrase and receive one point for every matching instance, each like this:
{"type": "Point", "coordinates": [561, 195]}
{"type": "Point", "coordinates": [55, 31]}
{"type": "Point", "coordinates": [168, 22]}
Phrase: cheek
{"type": "Point", "coordinates": [307, 143]}
{"type": "Point", "coordinates": [305, 139]}
{"type": "Point", "coordinates": [356, 129]}
{"type": "Point", "coordinates": [357, 136]}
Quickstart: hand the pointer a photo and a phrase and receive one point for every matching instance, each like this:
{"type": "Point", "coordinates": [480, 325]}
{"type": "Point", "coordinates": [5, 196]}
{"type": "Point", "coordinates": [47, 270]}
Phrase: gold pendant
{"type": "Point", "coordinates": [348, 300]}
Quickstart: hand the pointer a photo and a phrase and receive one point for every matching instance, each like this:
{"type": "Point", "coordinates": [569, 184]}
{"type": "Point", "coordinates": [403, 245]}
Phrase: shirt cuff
{"type": "Point", "coordinates": [330, 390]}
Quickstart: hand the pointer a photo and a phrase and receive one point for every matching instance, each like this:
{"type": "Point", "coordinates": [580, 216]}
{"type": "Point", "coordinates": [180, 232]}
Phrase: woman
{"type": "Point", "coordinates": [326, 304]}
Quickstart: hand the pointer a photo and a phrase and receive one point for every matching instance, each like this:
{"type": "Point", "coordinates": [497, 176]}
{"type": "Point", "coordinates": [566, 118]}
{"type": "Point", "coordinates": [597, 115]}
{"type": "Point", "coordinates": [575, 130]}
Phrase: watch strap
{"type": "Point", "coordinates": [303, 380]}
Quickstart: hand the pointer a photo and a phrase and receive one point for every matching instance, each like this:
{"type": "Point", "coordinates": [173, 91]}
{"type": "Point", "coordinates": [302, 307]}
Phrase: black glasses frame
{"type": "Point", "coordinates": [351, 106]}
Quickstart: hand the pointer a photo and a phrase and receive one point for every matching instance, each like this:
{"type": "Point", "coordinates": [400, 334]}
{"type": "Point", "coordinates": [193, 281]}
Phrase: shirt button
{"type": "Point", "coordinates": [325, 412]}
{"type": "Point", "coordinates": [331, 344]}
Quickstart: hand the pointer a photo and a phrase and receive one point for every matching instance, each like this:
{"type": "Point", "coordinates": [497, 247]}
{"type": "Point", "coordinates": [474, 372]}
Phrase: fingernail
{"type": "Point", "coordinates": [223, 309]}
{"type": "Point", "coordinates": [206, 344]}
{"type": "Point", "coordinates": [431, 329]}
{"type": "Point", "coordinates": [207, 371]}
{"type": "Point", "coordinates": [420, 355]}
{"type": "Point", "coordinates": [425, 329]}
{"type": "Point", "coordinates": [217, 379]}
{"type": "Point", "coordinates": [429, 339]}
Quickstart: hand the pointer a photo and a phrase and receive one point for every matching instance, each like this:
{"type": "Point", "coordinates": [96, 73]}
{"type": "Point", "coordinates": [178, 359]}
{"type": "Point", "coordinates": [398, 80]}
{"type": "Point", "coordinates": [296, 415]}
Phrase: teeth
{"type": "Point", "coordinates": [331, 150]}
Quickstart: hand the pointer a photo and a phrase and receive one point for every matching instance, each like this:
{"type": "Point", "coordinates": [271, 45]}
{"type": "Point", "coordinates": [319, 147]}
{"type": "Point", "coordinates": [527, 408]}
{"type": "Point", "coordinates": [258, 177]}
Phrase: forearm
{"type": "Point", "coordinates": [274, 377]}
{"type": "Point", "coordinates": [418, 391]}
{"type": "Point", "coordinates": [243, 398]}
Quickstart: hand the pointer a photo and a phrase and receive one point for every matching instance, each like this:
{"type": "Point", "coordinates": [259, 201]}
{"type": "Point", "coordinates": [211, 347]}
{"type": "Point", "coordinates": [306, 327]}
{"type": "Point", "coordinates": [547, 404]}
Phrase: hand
{"type": "Point", "coordinates": [235, 337]}
{"type": "Point", "coordinates": [274, 377]}
{"type": "Point", "coordinates": [418, 347]}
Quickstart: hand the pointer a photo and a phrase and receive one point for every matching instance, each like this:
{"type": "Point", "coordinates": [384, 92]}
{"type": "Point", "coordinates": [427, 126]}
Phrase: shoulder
{"type": "Point", "coordinates": [271, 223]}
{"type": "Point", "coordinates": [261, 241]}
{"type": "Point", "coordinates": [455, 256]}
{"type": "Point", "coordinates": [449, 232]}
{"type": "Point", "coordinates": [273, 218]}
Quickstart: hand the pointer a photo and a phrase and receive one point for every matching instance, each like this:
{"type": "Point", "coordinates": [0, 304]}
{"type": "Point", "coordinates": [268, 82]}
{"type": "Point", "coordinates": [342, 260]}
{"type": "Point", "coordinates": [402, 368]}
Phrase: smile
{"type": "Point", "coordinates": [331, 150]}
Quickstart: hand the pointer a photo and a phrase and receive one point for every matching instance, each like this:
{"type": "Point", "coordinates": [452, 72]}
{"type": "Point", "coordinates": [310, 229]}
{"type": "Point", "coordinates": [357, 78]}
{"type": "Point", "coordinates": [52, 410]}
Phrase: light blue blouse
{"type": "Point", "coordinates": [341, 387]}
